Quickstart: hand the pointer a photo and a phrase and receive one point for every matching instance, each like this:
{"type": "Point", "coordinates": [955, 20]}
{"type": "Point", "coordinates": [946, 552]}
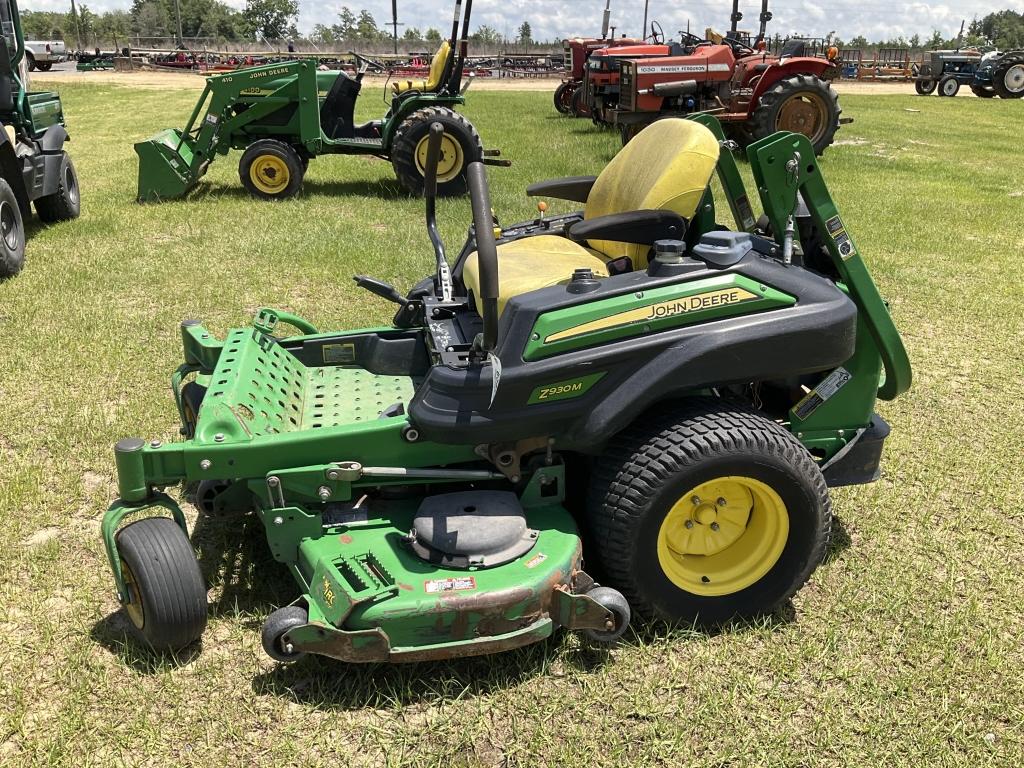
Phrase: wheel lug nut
{"type": "Point", "coordinates": [695, 499]}
{"type": "Point", "coordinates": [720, 502]}
{"type": "Point", "coordinates": [714, 526]}
{"type": "Point", "coordinates": [689, 523]}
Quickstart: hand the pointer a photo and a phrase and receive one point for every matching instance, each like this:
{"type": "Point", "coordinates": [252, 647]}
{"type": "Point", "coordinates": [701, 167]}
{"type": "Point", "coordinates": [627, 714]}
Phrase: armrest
{"type": "Point", "coordinates": [575, 188]}
{"type": "Point", "coordinates": [641, 227]}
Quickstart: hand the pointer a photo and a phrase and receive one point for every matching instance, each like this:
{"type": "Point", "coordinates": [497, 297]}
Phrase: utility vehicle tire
{"type": "Point", "coordinates": [44, 66]}
{"type": "Point", "coordinates": [614, 601]}
{"type": "Point", "coordinates": [563, 98]}
{"type": "Point", "coordinates": [1008, 76]}
{"type": "Point", "coordinates": [277, 623]}
{"type": "Point", "coordinates": [983, 91]}
{"type": "Point", "coordinates": [12, 233]}
{"type": "Point", "coordinates": [460, 146]}
{"type": "Point", "coordinates": [192, 395]}
{"type": "Point", "coordinates": [168, 605]}
{"type": "Point", "coordinates": [271, 170]}
{"type": "Point", "coordinates": [802, 104]}
{"type": "Point", "coordinates": [66, 203]}
{"type": "Point", "coordinates": [925, 87]}
{"type": "Point", "coordinates": [708, 514]}
{"type": "Point", "coordinates": [31, 61]}
{"type": "Point", "coordinates": [949, 86]}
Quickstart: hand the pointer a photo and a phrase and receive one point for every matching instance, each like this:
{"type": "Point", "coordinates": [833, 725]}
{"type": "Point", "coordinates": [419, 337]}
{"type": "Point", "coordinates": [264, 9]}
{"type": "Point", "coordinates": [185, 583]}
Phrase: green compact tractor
{"type": "Point", "coordinates": [281, 115]}
{"type": "Point", "coordinates": [34, 168]}
{"type": "Point", "coordinates": [633, 379]}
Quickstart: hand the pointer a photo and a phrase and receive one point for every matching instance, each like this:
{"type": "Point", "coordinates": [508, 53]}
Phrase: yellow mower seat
{"type": "Point", "coordinates": [437, 65]}
{"type": "Point", "coordinates": [667, 166]}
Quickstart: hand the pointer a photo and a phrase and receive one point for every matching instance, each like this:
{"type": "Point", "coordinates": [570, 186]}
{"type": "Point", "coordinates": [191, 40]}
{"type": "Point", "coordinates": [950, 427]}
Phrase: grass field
{"type": "Point", "coordinates": [904, 650]}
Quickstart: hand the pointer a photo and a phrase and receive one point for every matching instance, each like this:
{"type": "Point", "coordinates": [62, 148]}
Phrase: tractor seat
{"type": "Point", "coordinates": [667, 166]}
{"type": "Point", "coordinates": [433, 81]}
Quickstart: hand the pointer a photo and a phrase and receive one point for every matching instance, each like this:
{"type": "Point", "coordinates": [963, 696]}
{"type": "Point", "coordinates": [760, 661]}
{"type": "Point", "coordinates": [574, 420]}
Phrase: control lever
{"type": "Point", "coordinates": [380, 288]}
{"type": "Point", "coordinates": [444, 272]}
{"type": "Point", "coordinates": [793, 168]}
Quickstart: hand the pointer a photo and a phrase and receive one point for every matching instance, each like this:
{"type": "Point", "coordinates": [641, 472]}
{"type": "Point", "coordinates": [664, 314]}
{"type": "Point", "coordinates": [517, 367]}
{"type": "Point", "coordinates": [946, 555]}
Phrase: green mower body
{"type": "Point", "coordinates": [426, 483]}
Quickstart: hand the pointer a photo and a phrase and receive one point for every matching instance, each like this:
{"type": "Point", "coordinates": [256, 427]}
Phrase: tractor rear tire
{"type": "Point", "coordinates": [925, 87]}
{"type": "Point", "coordinates": [563, 98]}
{"type": "Point", "coordinates": [983, 91]}
{"type": "Point", "coordinates": [460, 146]}
{"type": "Point", "coordinates": [787, 106]}
{"type": "Point", "coordinates": [66, 203]}
{"type": "Point", "coordinates": [271, 170]}
{"type": "Point", "coordinates": [1008, 76]}
{"type": "Point", "coordinates": [707, 514]}
{"type": "Point", "coordinates": [949, 86]}
{"type": "Point", "coordinates": [12, 233]}
{"type": "Point", "coordinates": [168, 607]}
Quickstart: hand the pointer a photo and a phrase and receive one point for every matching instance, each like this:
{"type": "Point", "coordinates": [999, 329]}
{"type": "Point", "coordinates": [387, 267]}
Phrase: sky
{"type": "Point", "coordinates": [557, 19]}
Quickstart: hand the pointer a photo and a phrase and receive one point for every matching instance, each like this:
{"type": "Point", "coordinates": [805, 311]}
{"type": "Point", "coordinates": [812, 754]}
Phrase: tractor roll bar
{"type": "Point", "coordinates": [486, 251]}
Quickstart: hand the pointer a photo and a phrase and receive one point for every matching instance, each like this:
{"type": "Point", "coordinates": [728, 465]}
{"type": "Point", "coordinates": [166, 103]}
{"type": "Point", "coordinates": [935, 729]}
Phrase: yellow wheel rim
{"type": "Point", "coordinates": [723, 536]}
{"type": "Point", "coordinates": [134, 608]}
{"type": "Point", "coordinates": [805, 113]}
{"type": "Point", "coordinates": [449, 164]}
{"type": "Point", "coordinates": [269, 174]}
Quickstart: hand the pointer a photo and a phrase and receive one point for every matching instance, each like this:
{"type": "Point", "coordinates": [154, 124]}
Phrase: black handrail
{"type": "Point", "coordinates": [486, 251]}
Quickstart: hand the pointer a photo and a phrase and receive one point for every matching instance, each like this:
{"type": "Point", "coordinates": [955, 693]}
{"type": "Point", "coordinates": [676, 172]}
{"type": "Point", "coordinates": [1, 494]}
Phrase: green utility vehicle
{"type": "Point", "coordinates": [635, 377]}
{"type": "Point", "coordinates": [34, 168]}
{"type": "Point", "coordinates": [282, 115]}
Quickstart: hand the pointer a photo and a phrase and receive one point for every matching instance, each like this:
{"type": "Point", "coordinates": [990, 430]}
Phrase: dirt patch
{"type": "Point", "coordinates": [42, 536]}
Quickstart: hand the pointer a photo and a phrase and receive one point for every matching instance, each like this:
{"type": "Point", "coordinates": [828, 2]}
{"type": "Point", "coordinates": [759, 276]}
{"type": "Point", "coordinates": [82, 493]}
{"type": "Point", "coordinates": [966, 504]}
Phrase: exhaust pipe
{"type": "Point", "coordinates": [675, 88]}
{"type": "Point", "coordinates": [607, 19]}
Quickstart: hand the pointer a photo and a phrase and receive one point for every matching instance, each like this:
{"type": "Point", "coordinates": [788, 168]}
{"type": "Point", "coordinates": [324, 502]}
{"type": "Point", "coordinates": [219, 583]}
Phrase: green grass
{"type": "Point", "coordinates": [904, 650]}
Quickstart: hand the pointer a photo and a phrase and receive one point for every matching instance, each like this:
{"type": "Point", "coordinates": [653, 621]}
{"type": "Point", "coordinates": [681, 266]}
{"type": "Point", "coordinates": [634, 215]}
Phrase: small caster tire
{"type": "Point", "coordinates": [192, 395]}
{"type": "Point", "coordinates": [615, 602]}
{"type": "Point", "coordinates": [204, 497]}
{"type": "Point", "coordinates": [276, 626]}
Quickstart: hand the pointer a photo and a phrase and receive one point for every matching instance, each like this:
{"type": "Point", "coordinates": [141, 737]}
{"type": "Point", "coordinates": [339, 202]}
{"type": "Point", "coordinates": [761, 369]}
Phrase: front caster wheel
{"type": "Point", "coordinates": [612, 600]}
{"type": "Point", "coordinates": [167, 603]}
{"type": "Point", "coordinates": [277, 624]}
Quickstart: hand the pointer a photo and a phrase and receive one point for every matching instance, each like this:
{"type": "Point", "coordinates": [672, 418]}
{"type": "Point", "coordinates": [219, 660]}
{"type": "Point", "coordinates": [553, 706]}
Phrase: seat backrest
{"type": "Point", "coordinates": [667, 166]}
{"type": "Point", "coordinates": [437, 66]}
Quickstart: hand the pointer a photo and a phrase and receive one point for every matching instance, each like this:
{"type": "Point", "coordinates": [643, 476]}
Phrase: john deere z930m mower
{"type": "Point", "coordinates": [282, 115]}
{"type": "Point", "coordinates": [632, 384]}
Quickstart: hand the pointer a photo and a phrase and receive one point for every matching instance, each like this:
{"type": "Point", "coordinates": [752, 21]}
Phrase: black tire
{"type": "Point", "coordinates": [192, 395]}
{"type": "Point", "coordinates": [983, 91]}
{"type": "Point", "coordinates": [615, 602]}
{"type": "Point", "coordinates": [460, 146]}
{"type": "Point", "coordinates": [778, 110]}
{"type": "Point", "coordinates": [44, 66]}
{"type": "Point", "coordinates": [12, 233]}
{"type": "Point", "coordinates": [205, 495]}
{"type": "Point", "coordinates": [925, 87]}
{"type": "Point", "coordinates": [277, 623]}
{"type": "Point", "coordinates": [563, 98]}
{"type": "Point", "coordinates": [579, 102]}
{"type": "Point", "coordinates": [271, 170]}
{"type": "Point", "coordinates": [31, 61]}
{"type": "Point", "coordinates": [949, 86]}
{"type": "Point", "coordinates": [169, 597]}
{"type": "Point", "coordinates": [1008, 76]}
{"type": "Point", "coordinates": [645, 478]}
{"type": "Point", "coordinates": [66, 203]}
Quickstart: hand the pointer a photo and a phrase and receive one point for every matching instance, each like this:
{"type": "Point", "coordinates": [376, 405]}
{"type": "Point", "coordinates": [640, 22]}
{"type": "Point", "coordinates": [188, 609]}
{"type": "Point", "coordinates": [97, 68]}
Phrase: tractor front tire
{"type": "Point", "coordinates": [983, 91]}
{"type": "Point", "coordinates": [563, 98]}
{"type": "Point", "coordinates": [66, 203]}
{"type": "Point", "coordinates": [949, 86]}
{"type": "Point", "coordinates": [271, 170]}
{"type": "Point", "coordinates": [925, 87]}
{"type": "Point", "coordinates": [1008, 76]}
{"type": "Point", "coordinates": [12, 233]}
{"type": "Point", "coordinates": [168, 598]}
{"type": "Point", "coordinates": [708, 514]}
{"type": "Point", "coordinates": [579, 102]}
{"type": "Point", "coordinates": [803, 104]}
{"type": "Point", "coordinates": [460, 146]}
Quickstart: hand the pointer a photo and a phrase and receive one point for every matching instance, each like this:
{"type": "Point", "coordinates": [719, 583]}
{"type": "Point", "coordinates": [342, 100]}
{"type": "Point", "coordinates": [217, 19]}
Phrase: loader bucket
{"type": "Point", "coordinates": [165, 166]}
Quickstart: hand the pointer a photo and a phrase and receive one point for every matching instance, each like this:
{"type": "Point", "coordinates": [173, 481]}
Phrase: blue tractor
{"type": "Point", "coordinates": [986, 74]}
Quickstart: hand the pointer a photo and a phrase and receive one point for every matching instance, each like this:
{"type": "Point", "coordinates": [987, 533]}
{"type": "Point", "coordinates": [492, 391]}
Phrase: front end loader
{"type": "Point", "coordinates": [282, 115]}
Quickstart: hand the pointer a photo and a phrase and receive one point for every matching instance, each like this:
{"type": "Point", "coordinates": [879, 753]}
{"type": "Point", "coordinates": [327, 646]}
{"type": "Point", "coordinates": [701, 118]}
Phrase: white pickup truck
{"type": "Point", "coordinates": [43, 54]}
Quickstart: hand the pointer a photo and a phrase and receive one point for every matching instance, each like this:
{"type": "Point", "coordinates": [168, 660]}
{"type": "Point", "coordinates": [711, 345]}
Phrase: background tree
{"type": "Point", "coordinates": [412, 35]}
{"type": "Point", "coordinates": [486, 35]}
{"type": "Point", "coordinates": [524, 33]}
{"type": "Point", "coordinates": [273, 19]}
{"type": "Point", "coordinates": [432, 36]}
{"type": "Point", "coordinates": [366, 28]}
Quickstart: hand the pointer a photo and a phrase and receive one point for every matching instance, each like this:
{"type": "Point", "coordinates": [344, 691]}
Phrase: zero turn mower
{"type": "Point", "coordinates": [282, 115]}
{"type": "Point", "coordinates": [634, 376]}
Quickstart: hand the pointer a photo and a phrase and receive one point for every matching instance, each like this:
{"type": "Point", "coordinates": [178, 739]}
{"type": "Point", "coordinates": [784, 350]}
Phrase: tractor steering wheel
{"type": "Point", "coordinates": [694, 40]}
{"type": "Point", "coordinates": [657, 33]}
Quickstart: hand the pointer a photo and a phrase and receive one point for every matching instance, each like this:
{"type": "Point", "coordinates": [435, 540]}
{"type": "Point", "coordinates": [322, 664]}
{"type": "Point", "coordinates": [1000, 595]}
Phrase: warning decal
{"type": "Point", "coordinates": [842, 240]}
{"type": "Point", "coordinates": [832, 384]}
{"type": "Point", "coordinates": [449, 585]}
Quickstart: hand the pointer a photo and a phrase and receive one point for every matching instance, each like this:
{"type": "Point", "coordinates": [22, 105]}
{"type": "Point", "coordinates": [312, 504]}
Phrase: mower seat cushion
{"type": "Point", "coordinates": [533, 263]}
{"type": "Point", "coordinates": [667, 166]}
{"type": "Point", "coordinates": [437, 65]}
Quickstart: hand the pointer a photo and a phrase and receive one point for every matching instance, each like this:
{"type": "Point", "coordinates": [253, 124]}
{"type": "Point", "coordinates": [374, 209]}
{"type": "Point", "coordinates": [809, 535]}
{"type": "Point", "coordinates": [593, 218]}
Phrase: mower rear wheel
{"type": "Point", "coordinates": [949, 86]}
{"type": "Point", "coordinates": [708, 514]}
{"type": "Point", "coordinates": [802, 104]}
{"type": "Point", "coordinates": [274, 628]}
{"type": "Point", "coordinates": [12, 233]}
{"type": "Point", "coordinates": [925, 87]}
{"type": "Point", "coordinates": [168, 597]}
{"type": "Point", "coordinates": [460, 146]}
{"type": "Point", "coordinates": [271, 170]}
{"type": "Point", "coordinates": [563, 97]}
{"type": "Point", "coordinates": [1008, 76]}
{"type": "Point", "coordinates": [64, 204]}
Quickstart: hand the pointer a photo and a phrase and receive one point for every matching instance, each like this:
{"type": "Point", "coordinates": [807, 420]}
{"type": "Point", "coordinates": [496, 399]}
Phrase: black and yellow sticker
{"type": "Point", "coordinates": [564, 390]}
{"type": "Point", "coordinates": [838, 233]}
{"type": "Point", "coordinates": [328, 591]}
{"type": "Point", "coordinates": [817, 396]}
